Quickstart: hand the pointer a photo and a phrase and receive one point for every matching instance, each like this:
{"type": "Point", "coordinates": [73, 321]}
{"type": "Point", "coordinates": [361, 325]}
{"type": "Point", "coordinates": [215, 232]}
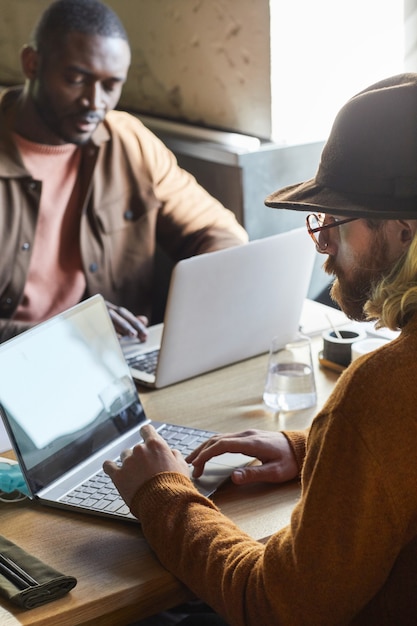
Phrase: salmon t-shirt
{"type": "Point", "coordinates": [55, 279]}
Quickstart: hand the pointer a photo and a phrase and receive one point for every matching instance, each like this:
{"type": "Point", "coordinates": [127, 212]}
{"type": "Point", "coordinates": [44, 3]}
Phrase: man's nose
{"type": "Point", "coordinates": [92, 97]}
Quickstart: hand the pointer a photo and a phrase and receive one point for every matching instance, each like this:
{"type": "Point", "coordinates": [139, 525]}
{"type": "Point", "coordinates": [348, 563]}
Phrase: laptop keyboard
{"type": "Point", "coordinates": [144, 362]}
{"type": "Point", "coordinates": [183, 438]}
{"type": "Point", "coordinates": [99, 492]}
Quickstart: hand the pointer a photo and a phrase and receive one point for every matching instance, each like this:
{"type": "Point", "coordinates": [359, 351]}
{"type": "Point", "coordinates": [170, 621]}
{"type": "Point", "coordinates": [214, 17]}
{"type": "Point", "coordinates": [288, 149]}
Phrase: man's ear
{"type": "Point", "coordinates": [29, 59]}
{"type": "Point", "coordinates": [407, 231]}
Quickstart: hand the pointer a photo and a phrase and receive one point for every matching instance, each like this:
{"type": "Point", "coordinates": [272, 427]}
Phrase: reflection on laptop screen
{"type": "Point", "coordinates": [90, 399]}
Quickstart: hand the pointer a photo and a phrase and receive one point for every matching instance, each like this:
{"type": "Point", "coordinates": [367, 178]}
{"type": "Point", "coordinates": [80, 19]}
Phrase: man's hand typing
{"type": "Point", "coordinates": [126, 323]}
{"type": "Point", "coordinates": [278, 463]}
{"type": "Point", "coordinates": [144, 461]}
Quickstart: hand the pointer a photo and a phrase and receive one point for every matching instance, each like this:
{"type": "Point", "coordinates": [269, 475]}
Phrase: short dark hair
{"type": "Point", "coordinates": [90, 17]}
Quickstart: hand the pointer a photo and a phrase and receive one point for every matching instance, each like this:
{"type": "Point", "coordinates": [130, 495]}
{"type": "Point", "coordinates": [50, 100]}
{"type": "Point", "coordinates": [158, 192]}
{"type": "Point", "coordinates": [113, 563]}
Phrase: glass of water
{"type": "Point", "coordinates": [290, 384]}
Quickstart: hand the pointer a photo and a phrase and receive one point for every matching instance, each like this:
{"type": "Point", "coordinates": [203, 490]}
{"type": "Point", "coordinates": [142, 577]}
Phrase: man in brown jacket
{"type": "Point", "coordinates": [349, 555]}
{"type": "Point", "coordinates": [87, 192]}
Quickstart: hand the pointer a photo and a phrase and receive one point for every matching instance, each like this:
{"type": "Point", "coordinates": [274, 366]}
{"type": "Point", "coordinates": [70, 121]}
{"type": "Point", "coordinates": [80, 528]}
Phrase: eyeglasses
{"type": "Point", "coordinates": [315, 224]}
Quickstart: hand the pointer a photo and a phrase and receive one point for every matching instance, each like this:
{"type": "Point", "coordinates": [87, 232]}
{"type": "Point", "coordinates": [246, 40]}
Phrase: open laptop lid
{"type": "Point", "coordinates": [91, 400]}
{"type": "Point", "coordinates": [226, 306]}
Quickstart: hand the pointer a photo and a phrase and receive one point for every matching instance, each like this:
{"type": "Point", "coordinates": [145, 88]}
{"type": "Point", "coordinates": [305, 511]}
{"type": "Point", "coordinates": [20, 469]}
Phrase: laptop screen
{"type": "Point", "coordinates": [66, 390]}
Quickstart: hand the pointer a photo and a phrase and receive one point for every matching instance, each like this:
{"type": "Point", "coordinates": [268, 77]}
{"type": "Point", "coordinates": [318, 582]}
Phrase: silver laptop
{"type": "Point", "coordinates": [224, 307]}
{"type": "Point", "coordinates": [68, 402]}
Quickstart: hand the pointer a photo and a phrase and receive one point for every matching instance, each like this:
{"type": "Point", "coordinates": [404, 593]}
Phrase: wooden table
{"type": "Point", "coordinates": [119, 579]}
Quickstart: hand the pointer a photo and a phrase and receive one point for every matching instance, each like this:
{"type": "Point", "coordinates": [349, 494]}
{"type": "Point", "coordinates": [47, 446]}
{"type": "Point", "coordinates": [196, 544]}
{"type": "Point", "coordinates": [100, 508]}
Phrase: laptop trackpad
{"type": "Point", "coordinates": [231, 459]}
{"type": "Point", "coordinates": [219, 469]}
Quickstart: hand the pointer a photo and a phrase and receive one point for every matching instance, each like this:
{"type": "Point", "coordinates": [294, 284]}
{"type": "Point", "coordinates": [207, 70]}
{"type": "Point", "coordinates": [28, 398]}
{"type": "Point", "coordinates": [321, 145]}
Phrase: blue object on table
{"type": "Point", "coordinates": [11, 478]}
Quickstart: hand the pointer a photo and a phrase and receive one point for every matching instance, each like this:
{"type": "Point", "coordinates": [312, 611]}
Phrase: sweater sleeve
{"type": "Point", "coordinates": [298, 442]}
{"type": "Point", "coordinates": [327, 565]}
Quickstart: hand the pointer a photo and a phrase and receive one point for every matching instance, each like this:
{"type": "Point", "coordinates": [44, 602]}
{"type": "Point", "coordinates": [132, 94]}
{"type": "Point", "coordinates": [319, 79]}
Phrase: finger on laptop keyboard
{"type": "Point", "coordinates": [148, 432]}
{"type": "Point", "coordinates": [126, 323]}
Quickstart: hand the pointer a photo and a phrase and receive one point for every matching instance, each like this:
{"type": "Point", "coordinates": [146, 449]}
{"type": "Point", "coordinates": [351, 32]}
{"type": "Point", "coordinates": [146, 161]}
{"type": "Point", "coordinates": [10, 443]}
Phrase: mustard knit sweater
{"type": "Point", "coordinates": [349, 555]}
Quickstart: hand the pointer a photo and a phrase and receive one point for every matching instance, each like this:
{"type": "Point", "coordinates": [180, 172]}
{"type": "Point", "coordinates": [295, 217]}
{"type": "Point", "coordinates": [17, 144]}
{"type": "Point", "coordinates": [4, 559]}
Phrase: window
{"type": "Point", "coordinates": [322, 53]}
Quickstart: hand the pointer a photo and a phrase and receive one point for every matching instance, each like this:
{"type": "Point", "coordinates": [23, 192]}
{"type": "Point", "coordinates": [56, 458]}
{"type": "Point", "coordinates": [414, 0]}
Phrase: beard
{"type": "Point", "coordinates": [353, 291]}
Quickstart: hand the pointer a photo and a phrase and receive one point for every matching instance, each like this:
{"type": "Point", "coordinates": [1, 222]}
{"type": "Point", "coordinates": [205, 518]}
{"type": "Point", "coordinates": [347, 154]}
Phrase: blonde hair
{"type": "Point", "coordinates": [394, 299]}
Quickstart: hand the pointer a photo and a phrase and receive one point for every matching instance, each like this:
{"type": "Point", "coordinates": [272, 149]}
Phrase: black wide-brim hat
{"type": "Point", "coordinates": [368, 166]}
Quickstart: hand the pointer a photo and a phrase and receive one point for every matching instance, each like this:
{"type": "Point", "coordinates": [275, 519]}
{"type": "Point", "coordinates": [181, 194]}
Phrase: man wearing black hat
{"type": "Point", "coordinates": [349, 555]}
